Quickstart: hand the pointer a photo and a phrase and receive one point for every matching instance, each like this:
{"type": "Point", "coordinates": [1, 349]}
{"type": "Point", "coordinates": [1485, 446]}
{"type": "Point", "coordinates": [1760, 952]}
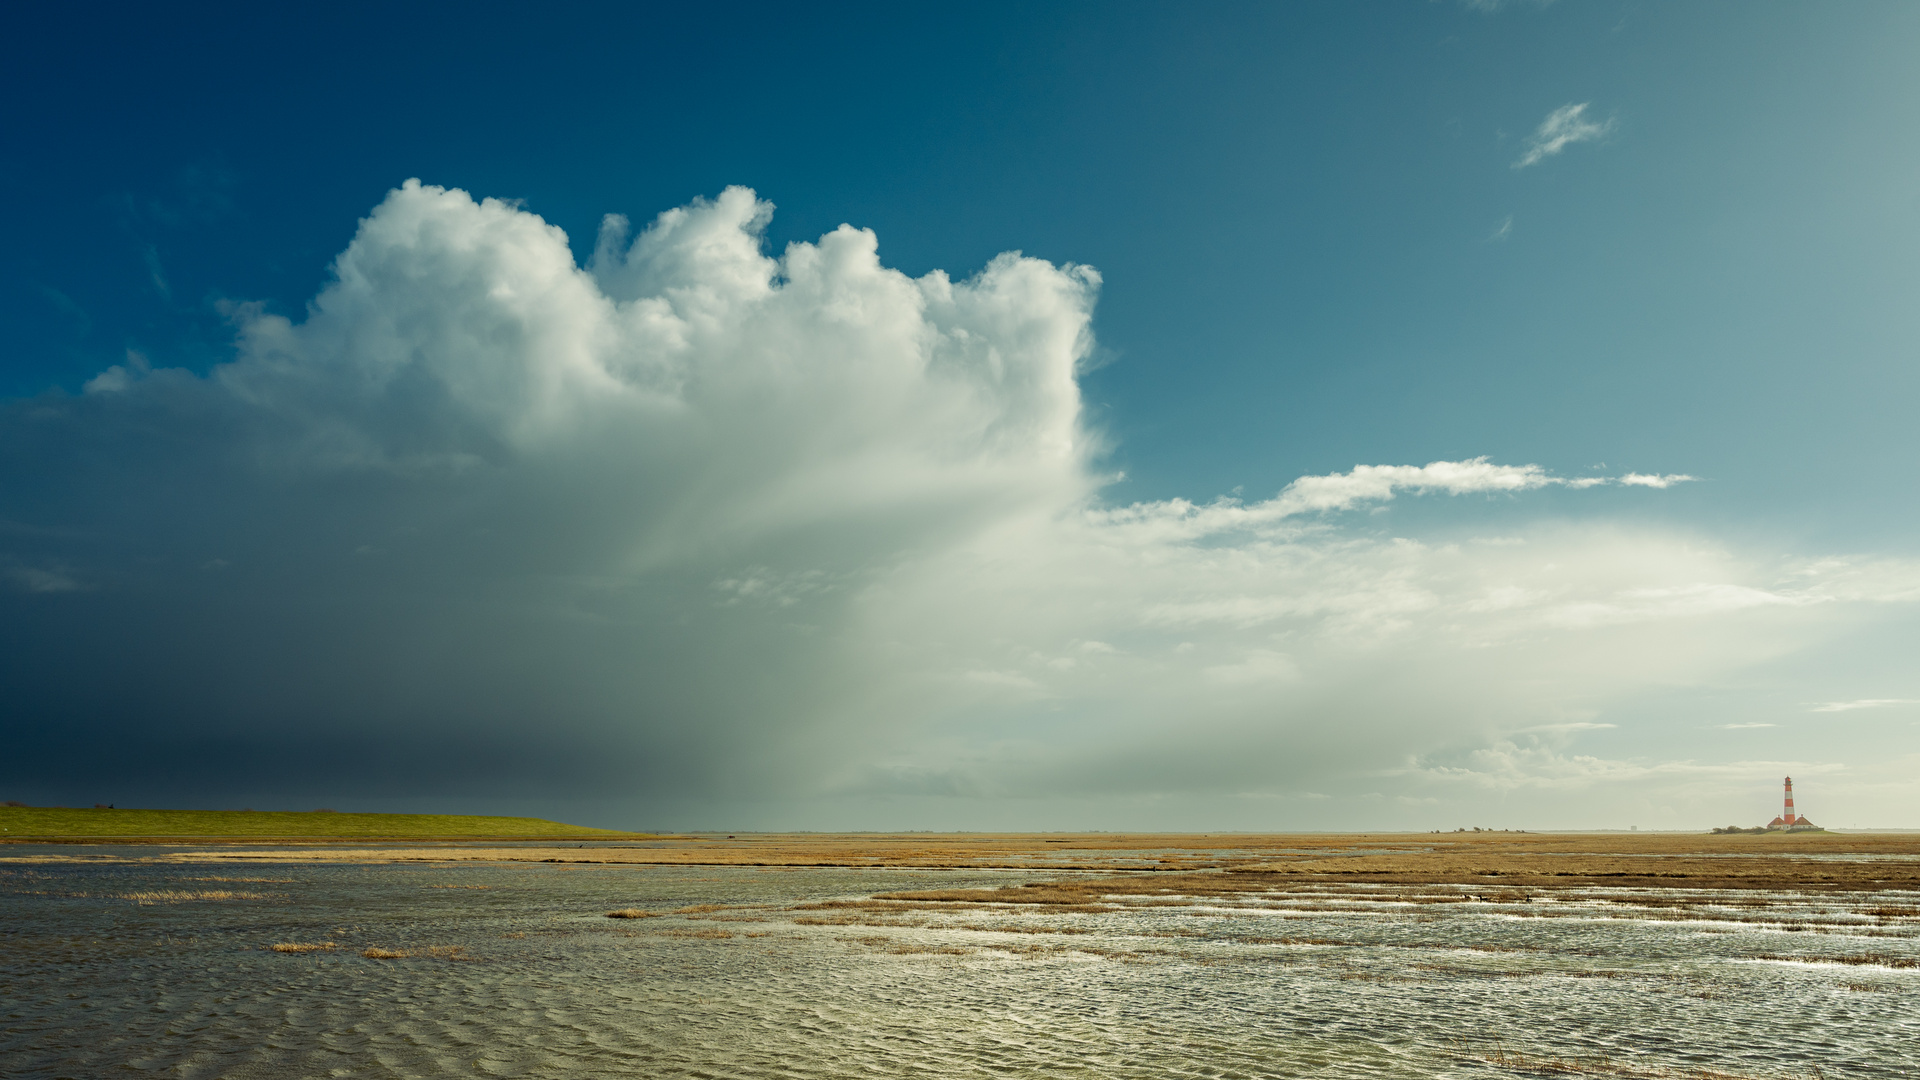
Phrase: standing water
{"type": "Point", "coordinates": [513, 969]}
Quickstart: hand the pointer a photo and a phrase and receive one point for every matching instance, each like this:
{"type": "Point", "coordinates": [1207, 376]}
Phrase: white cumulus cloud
{"type": "Point", "coordinates": [700, 526]}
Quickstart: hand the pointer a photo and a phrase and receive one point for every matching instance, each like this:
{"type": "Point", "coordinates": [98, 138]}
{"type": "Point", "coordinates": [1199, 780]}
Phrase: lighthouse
{"type": "Point", "coordinates": [1789, 821]}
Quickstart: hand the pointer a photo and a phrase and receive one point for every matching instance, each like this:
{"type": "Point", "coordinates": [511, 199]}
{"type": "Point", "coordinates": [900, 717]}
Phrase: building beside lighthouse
{"type": "Point", "coordinates": [1788, 821]}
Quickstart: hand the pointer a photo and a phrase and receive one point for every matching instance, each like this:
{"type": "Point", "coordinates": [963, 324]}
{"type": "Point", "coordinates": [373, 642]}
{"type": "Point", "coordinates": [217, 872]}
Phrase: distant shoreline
{"type": "Point", "coordinates": [1199, 862]}
{"type": "Point", "coordinates": [71, 825]}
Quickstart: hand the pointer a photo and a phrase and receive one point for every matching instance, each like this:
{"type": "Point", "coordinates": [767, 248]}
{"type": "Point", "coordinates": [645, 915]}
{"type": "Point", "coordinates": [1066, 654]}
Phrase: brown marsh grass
{"type": "Point", "coordinates": [303, 946]}
{"type": "Point", "coordinates": [896, 947]}
{"type": "Point", "coordinates": [1382, 883]}
{"type": "Point", "coordinates": [1493, 866]}
{"type": "Point", "coordinates": [1601, 1065]}
{"type": "Point", "coordinates": [182, 896]}
{"type": "Point", "coordinates": [1012, 928]}
{"type": "Point", "coordinates": [886, 906]}
{"type": "Point", "coordinates": [434, 952]}
{"type": "Point", "coordinates": [852, 920]}
{"type": "Point", "coordinates": [1851, 960]}
{"type": "Point", "coordinates": [1490, 859]}
{"type": "Point", "coordinates": [1050, 894]}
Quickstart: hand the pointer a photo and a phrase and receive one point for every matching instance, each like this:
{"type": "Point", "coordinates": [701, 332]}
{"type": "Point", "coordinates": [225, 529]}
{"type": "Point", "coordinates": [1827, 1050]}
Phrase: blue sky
{"type": "Point", "coordinates": [1325, 236]}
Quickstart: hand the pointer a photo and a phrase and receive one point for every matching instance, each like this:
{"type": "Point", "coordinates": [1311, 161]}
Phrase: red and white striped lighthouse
{"type": "Point", "coordinates": [1788, 816]}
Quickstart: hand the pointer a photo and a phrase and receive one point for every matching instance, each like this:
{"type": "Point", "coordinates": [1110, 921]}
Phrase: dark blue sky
{"type": "Point", "coordinates": [1317, 242]}
{"type": "Point", "coordinates": [1290, 203]}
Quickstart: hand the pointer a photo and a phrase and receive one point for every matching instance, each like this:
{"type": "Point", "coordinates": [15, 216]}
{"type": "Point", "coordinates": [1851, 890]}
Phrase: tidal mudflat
{"type": "Point", "coordinates": [1097, 956]}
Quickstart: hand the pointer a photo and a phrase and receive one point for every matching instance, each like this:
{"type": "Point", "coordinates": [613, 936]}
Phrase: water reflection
{"type": "Point", "coordinates": [515, 970]}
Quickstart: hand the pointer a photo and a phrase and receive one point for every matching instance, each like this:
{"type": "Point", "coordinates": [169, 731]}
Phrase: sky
{"type": "Point", "coordinates": [1045, 416]}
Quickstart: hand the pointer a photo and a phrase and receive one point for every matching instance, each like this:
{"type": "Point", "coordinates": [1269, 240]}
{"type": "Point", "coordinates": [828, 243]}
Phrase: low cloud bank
{"type": "Point", "coordinates": [696, 529]}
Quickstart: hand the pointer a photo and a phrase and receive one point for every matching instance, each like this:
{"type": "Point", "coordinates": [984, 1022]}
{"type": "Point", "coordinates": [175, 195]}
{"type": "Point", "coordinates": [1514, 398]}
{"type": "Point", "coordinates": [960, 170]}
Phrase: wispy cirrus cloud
{"type": "Point", "coordinates": [1562, 128]}
{"type": "Point", "coordinates": [1490, 6]}
{"type": "Point", "coordinates": [39, 579]}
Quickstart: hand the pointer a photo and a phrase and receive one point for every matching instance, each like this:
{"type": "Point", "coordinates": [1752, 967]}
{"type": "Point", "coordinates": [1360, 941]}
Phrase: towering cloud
{"type": "Point", "coordinates": [696, 528]}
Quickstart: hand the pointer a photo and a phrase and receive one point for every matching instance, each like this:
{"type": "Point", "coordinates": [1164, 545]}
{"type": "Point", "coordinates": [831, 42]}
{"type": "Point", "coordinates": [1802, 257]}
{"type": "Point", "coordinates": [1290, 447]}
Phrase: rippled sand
{"type": "Point", "coordinates": [142, 961]}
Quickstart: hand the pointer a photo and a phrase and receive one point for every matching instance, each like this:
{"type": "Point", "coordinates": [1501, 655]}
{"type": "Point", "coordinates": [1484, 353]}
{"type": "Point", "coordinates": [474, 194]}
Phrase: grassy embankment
{"type": "Point", "coordinates": [57, 823]}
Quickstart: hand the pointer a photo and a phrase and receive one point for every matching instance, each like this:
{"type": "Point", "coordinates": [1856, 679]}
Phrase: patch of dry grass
{"type": "Point", "coordinates": [1852, 960]}
{"type": "Point", "coordinates": [854, 918]}
{"type": "Point", "coordinates": [1066, 897]}
{"type": "Point", "coordinates": [631, 913]}
{"type": "Point", "coordinates": [881, 906]}
{"type": "Point", "coordinates": [427, 952]}
{"type": "Point", "coordinates": [182, 896]}
{"type": "Point", "coordinates": [303, 946]}
{"type": "Point", "coordinates": [1601, 1065]}
{"type": "Point", "coordinates": [1012, 928]}
{"type": "Point", "coordinates": [1030, 951]}
{"type": "Point", "coordinates": [1701, 879]}
{"type": "Point", "coordinates": [893, 946]}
